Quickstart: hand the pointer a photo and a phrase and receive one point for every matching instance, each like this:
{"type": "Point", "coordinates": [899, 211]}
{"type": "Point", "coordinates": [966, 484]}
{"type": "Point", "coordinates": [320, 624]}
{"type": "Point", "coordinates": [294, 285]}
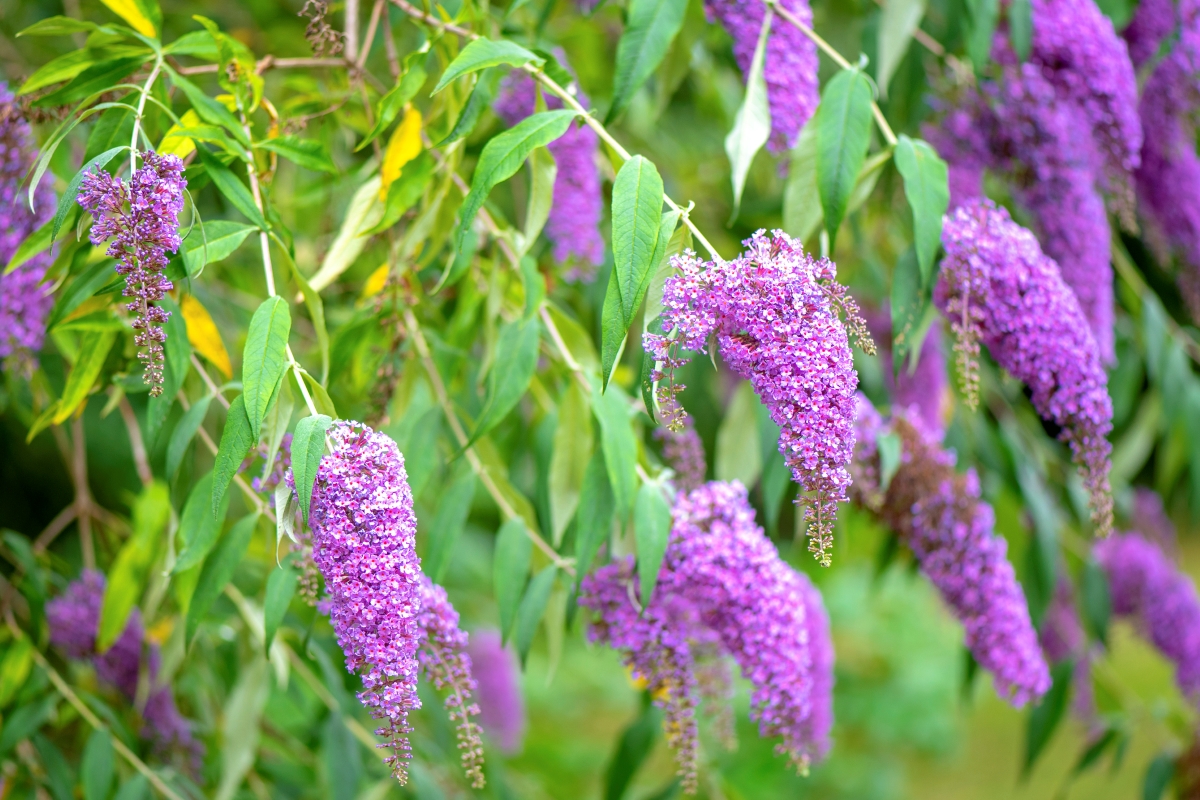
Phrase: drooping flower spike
{"type": "Point", "coordinates": [140, 217]}
{"type": "Point", "coordinates": [501, 705]}
{"type": "Point", "coordinates": [684, 453]}
{"type": "Point", "coordinates": [774, 311]}
{"type": "Point", "coordinates": [998, 288]}
{"type": "Point", "coordinates": [722, 582]}
{"type": "Point", "coordinates": [939, 515]}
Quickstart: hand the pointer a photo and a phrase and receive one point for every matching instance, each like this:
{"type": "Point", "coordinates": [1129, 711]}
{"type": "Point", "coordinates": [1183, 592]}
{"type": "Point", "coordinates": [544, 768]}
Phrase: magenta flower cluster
{"type": "Point", "coordinates": [998, 288]}
{"type": "Point", "coordinates": [498, 690]}
{"type": "Point", "coordinates": [74, 618]}
{"type": "Point", "coordinates": [774, 312]}
{"type": "Point", "coordinates": [24, 301]}
{"type": "Point", "coordinates": [140, 217]}
{"type": "Point", "coordinates": [573, 227]}
{"type": "Point", "coordinates": [722, 582]}
{"type": "Point", "coordinates": [684, 454]}
{"type": "Point", "coordinates": [789, 67]}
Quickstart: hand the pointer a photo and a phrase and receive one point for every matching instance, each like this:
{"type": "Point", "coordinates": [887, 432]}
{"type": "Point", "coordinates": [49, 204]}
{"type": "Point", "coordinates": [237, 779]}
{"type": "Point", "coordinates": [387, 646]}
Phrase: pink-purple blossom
{"type": "Point", "coordinates": [774, 313]}
{"type": "Point", "coordinates": [683, 452]}
{"type": "Point", "coordinates": [140, 217]}
{"type": "Point", "coordinates": [498, 691]}
{"type": "Point", "coordinates": [998, 288]}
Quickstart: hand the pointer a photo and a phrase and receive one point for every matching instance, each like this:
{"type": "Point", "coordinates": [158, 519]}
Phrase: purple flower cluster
{"type": "Point", "coordinates": [923, 392]}
{"type": "Point", "coordinates": [24, 301]}
{"type": "Point", "coordinates": [938, 513]}
{"type": "Point", "coordinates": [573, 227]}
{"type": "Point", "coordinates": [774, 312]}
{"type": "Point", "coordinates": [446, 663]}
{"type": "Point", "coordinates": [790, 65]}
{"type": "Point", "coordinates": [1162, 600]}
{"type": "Point", "coordinates": [997, 286]}
{"type": "Point", "coordinates": [141, 219]}
{"type": "Point", "coordinates": [684, 453]}
{"type": "Point", "coordinates": [501, 705]}
{"type": "Point", "coordinates": [74, 618]}
{"type": "Point", "coordinates": [722, 582]}
{"type": "Point", "coordinates": [364, 535]}
{"type": "Point", "coordinates": [1062, 635]}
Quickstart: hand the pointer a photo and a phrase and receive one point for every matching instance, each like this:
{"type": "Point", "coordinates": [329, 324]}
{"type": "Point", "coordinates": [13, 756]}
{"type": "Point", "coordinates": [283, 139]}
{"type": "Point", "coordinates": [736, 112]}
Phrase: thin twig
{"type": "Point", "coordinates": [140, 460]}
{"type": "Point", "coordinates": [271, 62]}
{"type": "Point", "coordinates": [371, 28]}
{"type": "Point", "coordinates": [350, 12]}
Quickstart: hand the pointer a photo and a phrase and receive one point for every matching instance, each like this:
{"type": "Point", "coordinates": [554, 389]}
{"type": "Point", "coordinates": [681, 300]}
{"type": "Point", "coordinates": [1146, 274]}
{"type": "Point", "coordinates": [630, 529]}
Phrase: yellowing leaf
{"type": "Point", "coordinates": [227, 100]}
{"type": "Point", "coordinates": [203, 334]}
{"type": "Point", "coordinates": [128, 10]}
{"type": "Point", "coordinates": [175, 145]}
{"type": "Point", "coordinates": [376, 282]}
{"type": "Point", "coordinates": [403, 147]}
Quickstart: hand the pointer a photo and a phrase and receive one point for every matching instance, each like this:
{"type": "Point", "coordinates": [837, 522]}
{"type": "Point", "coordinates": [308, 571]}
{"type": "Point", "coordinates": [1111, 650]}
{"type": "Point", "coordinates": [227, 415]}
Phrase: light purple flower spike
{"type": "Point", "coordinates": [501, 704]}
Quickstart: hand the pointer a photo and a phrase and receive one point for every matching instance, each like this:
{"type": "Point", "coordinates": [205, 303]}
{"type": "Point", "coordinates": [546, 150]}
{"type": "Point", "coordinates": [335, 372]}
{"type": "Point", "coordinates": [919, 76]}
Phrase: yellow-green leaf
{"type": "Point", "coordinates": [128, 574]}
{"type": "Point", "coordinates": [403, 147]}
{"type": "Point", "coordinates": [202, 332]}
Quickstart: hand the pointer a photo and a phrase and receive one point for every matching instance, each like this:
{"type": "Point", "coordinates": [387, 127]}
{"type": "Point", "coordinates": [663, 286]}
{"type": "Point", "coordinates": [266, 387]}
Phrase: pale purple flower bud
{"type": "Point", "coordinates": [501, 704]}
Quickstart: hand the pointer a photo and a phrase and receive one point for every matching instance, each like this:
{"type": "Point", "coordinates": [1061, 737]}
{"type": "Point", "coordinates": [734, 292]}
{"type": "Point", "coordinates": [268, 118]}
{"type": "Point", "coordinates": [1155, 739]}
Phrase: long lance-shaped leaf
{"type": "Point", "coordinates": [927, 189]}
{"type": "Point", "coordinates": [484, 53]}
{"type": "Point", "coordinates": [236, 441]}
{"type": "Point", "coordinates": [843, 134]}
{"type": "Point", "coordinates": [509, 376]}
{"type": "Point", "coordinates": [308, 446]}
{"type": "Point", "coordinates": [264, 358]}
{"type": "Point", "coordinates": [752, 125]}
{"type": "Point", "coordinates": [651, 27]}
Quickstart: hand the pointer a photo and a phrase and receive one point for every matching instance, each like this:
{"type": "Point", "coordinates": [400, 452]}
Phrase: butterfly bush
{"type": "Point", "coordinates": [998, 288]}
{"type": "Point", "coordinates": [789, 66]}
{"type": "Point", "coordinates": [774, 313]}
{"type": "Point", "coordinates": [684, 453]}
{"type": "Point", "coordinates": [501, 704]}
{"type": "Point", "coordinates": [937, 512]}
{"type": "Point", "coordinates": [390, 620]}
{"type": "Point", "coordinates": [24, 301]}
{"type": "Point", "coordinates": [722, 581]}
{"type": "Point", "coordinates": [923, 391]}
{"type": "Point", "coordinates": [140, 217]}
{"type": "Point", "coordinates": [74, 619]}
{"type": "Point", "coordinates": [573, 226]}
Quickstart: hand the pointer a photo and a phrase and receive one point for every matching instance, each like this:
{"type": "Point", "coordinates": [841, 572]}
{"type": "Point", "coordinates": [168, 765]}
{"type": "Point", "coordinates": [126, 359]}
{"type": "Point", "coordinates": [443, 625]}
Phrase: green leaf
{"type": "Point", "coordinates": [175, 369]}
{"type": "Point", "coordinates": [34, 243]}
{"type": "Point", "coordinates": [68, 200]}
{"type": "Point", "coordinates": [739, 456]}
{"type": "Point", "coordinates": [510, 570]}
{"type": "Point", "coordinates": [593, 520]}
{"type": "Point", "coordinates": [752, 125]}
{"type": "Point", "coordinates": [910, 308]}
{"type": "Point", "coordinates": [1020, 27]}
{"type": "Point", "coordinates": [637, 742]}
{"type": "Point", "coordinates": [573, 446]}
{"type": "Point", "coordinates": [218, 571]}
{"type": "Point", "coordinates": [95, 79]}
{"type": "Point", "coordinates": [198, 526]}
{"type": "Point", "coordinates": [543, 171]}
{"type": "Point", "coordinates": [67, 66]}
{"type": "Point", "coordinates": [59, 775]}
{"type": "Point", "coordinates": [1096, 600]}
{"type": "Point", "coordinates": [363, 214]}
{"type": "Point", "coordinates": [896, 26]}
{"type": "Point", "coordinates": [264, 358]}
{"type": "Point", "coordinates": [776, 476]}
{"type": "Point", "coordinates": [211, 242]}
{"type": "Point", "coordinates": [24, 721]}
{"type": "Point", "coordinates": [533, 606]}
{"type": "Point", "coordinates": [307, 153]}
{"type": "Point", "coordinates": [405, 192]}
{"type": "Point", "coordinates": [129, 571]}
{"type": "Point", "coordinates": [982, 17]}
{"type": "Point", "coordinates": [343, 762]}
{"type": "Point", "coordinates": [281, 587]}
{"type": "Point", "coordinates": [231, 187]}
{"type": "Point", "coordinates": [652, 529]}
{"type": "Point", "coordinates": [478, 102]}
{"type": "Point", "coordinates": [15, 668]}
{"type": "Point", "coordinates": [504, 155]}
{"type": "Point", "coordinates": [115, 127]}
{"type": "Point", "coordinates": [619, 445]}
{"type": "Point", "coordinates": [207, 108]}
{"type": "Point", "coordinates": [97, 770]}
{"type": "Point", "coordinates": [1045, 716]}
{"type": "Point", "coordinates": [58, 26]}
{"type": "Point", "coordinates": [636, 220]}
{"type": "Point", "coordinates": [453, 508]}
{"type": "Point", "coordinates": [241, 726]}
{"type": "Point", "coordinates": [534, 284]}
{"type": "Point", "coordinates": [483, 53]}
{"type": "Point", "coordinates": [397, 97]}
{"type": "Point", "coordinates": [891, 448]}
{"type": "Point", "coordinates": [801, 197]}
{"type": "Point", "coordinates": [843, 135]}
{"type": "Point", "coordinates": [650, 27]}
{"type": "Point", "coordinates": [93, 278]}
{"type": "Point", "coordinates": [236, 441]}
{"type": "Point", "coordinates": [308, 447]}
{"type": "Point", "coordinates": [927, 189]}
{"type": "Point", "coordinates": [84, 373]}
{"type": "Point", "coordinates": [1158, 776]}
{"type": "Point", "coordinates": [136, 788]}
{"type": "Point", "coordinates": [509, 375]}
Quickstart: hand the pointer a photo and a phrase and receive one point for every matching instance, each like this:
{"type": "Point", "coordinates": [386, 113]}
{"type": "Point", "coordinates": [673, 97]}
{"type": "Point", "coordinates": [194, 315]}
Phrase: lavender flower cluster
{"type": "Point", "coordinates": [74, 618]}
{"type": "Point", "coordinates": [997, 287]}
{"type": "Point", "coordinates": [573, 227]}
{"type": "Point", "coordinates": [684, 453]}
{"type": "Point", "coordinates": [774, 312]}
{"type": "Point", "coordinates": [922, 392]}
{"type": "Point", "coordinates": [24, 301]}
{"type": "Point", "coordinates": [140, 217]}
{"type": "Point", "coordinates": [501, 705]}
{"type": "Point", "coordinates": [938, 513]}
{"type": "Point", "coordinates": [390, 620]}
{"type": "Point", "coordinates": [789, 67]}
{"type": "Point", "coordinates": [722, 583]}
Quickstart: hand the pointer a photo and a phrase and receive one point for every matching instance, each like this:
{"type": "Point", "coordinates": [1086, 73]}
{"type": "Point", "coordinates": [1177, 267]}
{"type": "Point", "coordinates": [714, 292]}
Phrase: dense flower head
{"type": "Point", "coordinates": [140, 217]}
{"type": "Point", "coordinates": [364, 534]}
{"type": "Point", "coordinates": [998, 288]}
{"type": "Point", "coordinates": [573, 227]}
{"type": "Point", "coordinates": [684, 453]}
{"type": "Point", "coordinates": [24, 301]}
{"type": "Point", "coordinates": [774, 313]}
{"type": "Point", "coordinates": [498, 679]}
{"type": "Point", "coordinates": [74, 618]}
{"type": "Point", "coordinates": [1146, 586]}
{"type": "Point", "coordinates": [722, 581]}
{"type": "Point", "coordinates": [446, 663]}
{"type": "Point", "coordinates": [938, 513]}
{"type": "Point", "coordinates": [1062, 634]}
{"type": "Point", "coordinates": [789, 67]}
